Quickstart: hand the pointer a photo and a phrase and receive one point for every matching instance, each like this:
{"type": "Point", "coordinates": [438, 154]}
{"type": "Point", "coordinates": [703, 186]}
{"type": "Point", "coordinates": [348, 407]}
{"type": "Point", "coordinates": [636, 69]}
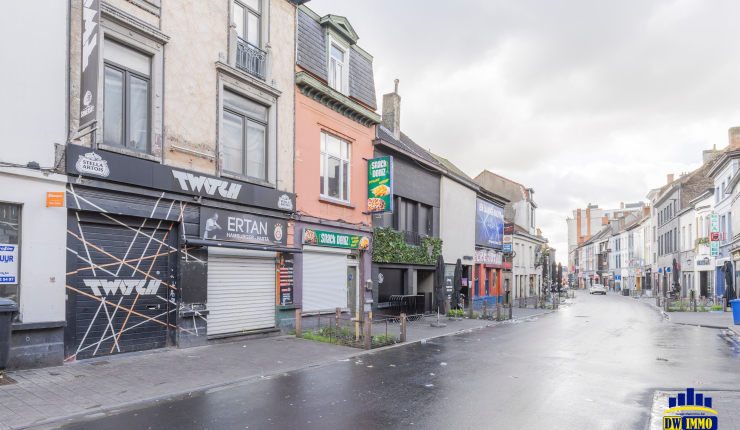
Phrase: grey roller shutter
{"type": "Point", "coordinates": [324, 281]}
{"type": "Point", "coordinates": [241, 294]}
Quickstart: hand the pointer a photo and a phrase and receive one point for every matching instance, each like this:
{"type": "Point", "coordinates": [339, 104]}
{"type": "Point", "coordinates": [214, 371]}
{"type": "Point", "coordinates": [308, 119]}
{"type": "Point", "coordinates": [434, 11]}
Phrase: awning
{"type": "Point", "coordinates": [252, 246]}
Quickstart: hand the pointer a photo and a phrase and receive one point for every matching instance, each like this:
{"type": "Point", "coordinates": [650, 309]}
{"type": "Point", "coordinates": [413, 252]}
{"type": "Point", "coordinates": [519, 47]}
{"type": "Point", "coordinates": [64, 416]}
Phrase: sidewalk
{"type": "Point", "coordinates": [109, 383]}
{"type": "Point", "coordinates": [721, 320]}
{"type": "Point", "coordinates": [726, 403]}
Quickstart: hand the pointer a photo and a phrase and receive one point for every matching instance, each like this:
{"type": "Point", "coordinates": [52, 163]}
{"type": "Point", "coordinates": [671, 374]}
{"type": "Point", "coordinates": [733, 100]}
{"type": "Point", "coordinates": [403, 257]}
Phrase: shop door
{"type": "Point", "coordinates": [488, 282]}
{"type": "Point", "coordinates": [120, 294]}
{"type": "Point", "coordinates": [241, 293]}
{"type": "Point", "coordinates": [703, 284]}
{"type": "Point", "coordinates": [352, 287]}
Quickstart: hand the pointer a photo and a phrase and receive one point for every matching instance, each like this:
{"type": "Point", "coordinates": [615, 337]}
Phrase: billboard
{"type": "Point", "coordinates": [380, 185]}
{"type": "Point", "coordinates": [489, 224]}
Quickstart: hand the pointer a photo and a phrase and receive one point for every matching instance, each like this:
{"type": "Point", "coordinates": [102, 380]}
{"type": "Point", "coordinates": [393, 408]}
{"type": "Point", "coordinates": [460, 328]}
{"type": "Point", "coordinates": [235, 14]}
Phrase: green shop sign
{"type": "Point", "coordinates": [337, 240]}
{"type": "Point", "coordinates": [380, 184]}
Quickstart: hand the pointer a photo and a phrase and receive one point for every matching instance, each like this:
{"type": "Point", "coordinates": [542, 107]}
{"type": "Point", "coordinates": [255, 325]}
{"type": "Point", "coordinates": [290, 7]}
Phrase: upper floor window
{"type": "Point", "coordinates": [245, 130]}
{"type": "Point", "coordinates": [335, 167]}
{"type": "Point", "coordinates": [247, 17]}
{"type": "Point", "coordinates": [412, 216]}
{"type": "Point", "coordinates": [126, 96]}
{"type": "Point", "coordinates": [338, 67]}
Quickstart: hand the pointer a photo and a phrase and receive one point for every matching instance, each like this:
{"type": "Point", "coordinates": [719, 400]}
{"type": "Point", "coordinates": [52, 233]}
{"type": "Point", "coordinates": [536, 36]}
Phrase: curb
{"type": "Point", "coordinates": [246, 380]}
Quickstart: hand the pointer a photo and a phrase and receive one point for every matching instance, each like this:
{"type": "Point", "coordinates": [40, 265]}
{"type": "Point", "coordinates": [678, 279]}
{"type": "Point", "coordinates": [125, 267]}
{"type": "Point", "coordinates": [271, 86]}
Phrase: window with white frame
{"type": "Point", "coordinates": [335, 167]}
{"type": "Point", "coordinates": [245, 136]}
{"type": "Point", "coordinates": [247, 17]}
{"type": "Point", "coordinates": [126, 96]}
{"type": "Point", "coordinates": [338, 66]}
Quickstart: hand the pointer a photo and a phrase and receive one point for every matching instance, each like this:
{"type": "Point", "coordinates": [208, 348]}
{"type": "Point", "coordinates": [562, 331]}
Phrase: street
{"type": "Point", "coordinates": [592, 365]}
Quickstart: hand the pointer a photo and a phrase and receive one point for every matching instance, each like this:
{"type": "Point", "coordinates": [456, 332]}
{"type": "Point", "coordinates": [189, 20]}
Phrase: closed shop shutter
{"type": "Point", "coordinates": [121, 291]}
{"type": "Point", "coordinates": [324, 281]}
{"type": "Point", "coordinates": [241, 293]}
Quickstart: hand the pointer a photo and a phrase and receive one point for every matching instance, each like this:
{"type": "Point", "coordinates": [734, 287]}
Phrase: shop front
{"type": "Point", "coordinates": [159, 256]}
{"type": "Point", "coordinates": [331, 269]}
{"type": "Point", "coordinates": [488, 276]}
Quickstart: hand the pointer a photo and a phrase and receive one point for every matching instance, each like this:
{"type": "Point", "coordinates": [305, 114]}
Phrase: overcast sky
{"type": "Point", "coordinates": [585, 101]}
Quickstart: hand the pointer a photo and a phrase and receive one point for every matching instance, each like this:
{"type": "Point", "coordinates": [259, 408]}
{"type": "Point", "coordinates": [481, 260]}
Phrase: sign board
{"type": "Point", "coordinates": [486, 256]}
{"type": "Point", "coordinates": [380, 184]}
{"type": "Point", "coordinates": [8, 264]}
{"type": "Point", "coordinates": [713, 223]}
{"type": "Point", "coordinates": [221, 224]}
{"type": "Point", "coordinates": [714, 248]}
{"type": "Point", "coordinates": [90, 62]}
{"type": "Point", "coordinates": [509, 228]}
{"type": "Point", "coordinates": [715, 236]}
{"type": "Point", "coordinates": [55, 200]}
{"type": "Point", "coordinates": [83, 161]}
{"type": "Point", "coordinates": [489, 224]}
{"type": "Point", "coordinates": [335, 240]}
{"type": "Point", "coordinates": [286, 279]}
{"type": "Point", "coordinates": [507, 247]}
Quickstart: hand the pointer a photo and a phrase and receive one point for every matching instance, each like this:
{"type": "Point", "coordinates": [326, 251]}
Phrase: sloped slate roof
{"type": "Point", "coordinates": [406, 144]}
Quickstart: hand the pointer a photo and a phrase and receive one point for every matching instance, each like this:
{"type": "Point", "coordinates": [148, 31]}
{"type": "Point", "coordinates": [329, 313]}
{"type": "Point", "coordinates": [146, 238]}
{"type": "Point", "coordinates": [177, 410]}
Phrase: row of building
{"type": "Point", "coordinates": [685, 236]}
{"type": "Point", "coordinates": [200, 171]}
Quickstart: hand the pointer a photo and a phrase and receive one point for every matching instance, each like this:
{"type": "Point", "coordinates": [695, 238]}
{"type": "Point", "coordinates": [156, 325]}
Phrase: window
{"type": "Point", "coordinates": [247, 16]}
{"type": "Point", "coordinates": [691, 237]}
{"type": "Point", "coordinates": [683, 238]}
{"type": "Point", "coordinates": [245, 130]}
{"type": "Point", "coordinates": [412, 216]}
{"type": "Point", "coordinates": [723, 190]}
{"type": "Point", "coordinates": [10, 223]}
{"type": "Point", "coordinates": [531, 209]}
{"type": "Point", "coordinates": [338, 59]}
{"type": "Point", "coordinates": [335, 167]}
{"type": "Point", "coordinates": [126, 96]}
{"type": "Point", "coordinates": [716, 195]}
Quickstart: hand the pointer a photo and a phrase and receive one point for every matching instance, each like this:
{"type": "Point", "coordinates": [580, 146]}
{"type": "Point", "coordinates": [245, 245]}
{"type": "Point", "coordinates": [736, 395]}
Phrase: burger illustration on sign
{"type": "Point", "coordinates": [309, 237]}
{"type": "Point", "coordinates": [364, 243]}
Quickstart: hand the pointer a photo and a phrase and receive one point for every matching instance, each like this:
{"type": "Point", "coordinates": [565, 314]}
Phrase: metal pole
{"type": "Point", "coordinates": [367, 328]}
{"type": "Point", "coordinates": [403, 327]}
{"type": "Point", "coordinates": [498, 311]}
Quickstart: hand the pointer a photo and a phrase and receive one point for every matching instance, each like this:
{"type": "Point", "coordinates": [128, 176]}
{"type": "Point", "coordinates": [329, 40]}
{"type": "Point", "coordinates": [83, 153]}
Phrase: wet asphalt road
{"type": "Point", "coordinates": [593, 365]}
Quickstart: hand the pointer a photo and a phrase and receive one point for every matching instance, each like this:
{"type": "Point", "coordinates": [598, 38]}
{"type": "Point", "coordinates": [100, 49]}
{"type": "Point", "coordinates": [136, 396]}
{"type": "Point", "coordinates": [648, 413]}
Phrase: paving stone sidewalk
{"type": "Point", "coordinates": [726, 403]}
{"type": "Point", "coordinates": [113, 382]}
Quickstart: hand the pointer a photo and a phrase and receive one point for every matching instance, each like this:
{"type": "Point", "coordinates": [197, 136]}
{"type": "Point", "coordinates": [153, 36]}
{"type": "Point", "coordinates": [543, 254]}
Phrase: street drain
{"type": "Point", "coordinates": [99, 363]}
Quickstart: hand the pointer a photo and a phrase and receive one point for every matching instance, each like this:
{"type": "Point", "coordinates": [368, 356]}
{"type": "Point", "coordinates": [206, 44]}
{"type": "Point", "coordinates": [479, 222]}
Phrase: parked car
{"type": "Point", "coordinates": [598, 289]}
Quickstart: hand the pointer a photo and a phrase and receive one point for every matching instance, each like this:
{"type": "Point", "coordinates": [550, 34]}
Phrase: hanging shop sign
{"type": "Point", "coordinates": [489, 224]}
{"type": "Point", "coordinates": [336, 240]}
{"type": "Point", "coordinates": [713, 223]}
{"type": "Point", "coordinates": [286, 279]}
{"type": "Point", "coordinates": [54, 200]}
{"type": "Point", "coordinates": [83, 161]}
{"type": "Point", "coordinates": [714, 248]}
{"type": "Point", "coordinates": [485, 256]}
{"type": "Point", "coordinates": [8, 264]}
{"type": "Point", "coordinates": [90, 62]}
{"type": "Point", "coordinates": [220, 224]}
{"type": "Point", "coordinates": [507, 247]}
{"type": "Point", "coordinates": [380, 184]}
{"type": "Point", "coordinates": [509, 228]}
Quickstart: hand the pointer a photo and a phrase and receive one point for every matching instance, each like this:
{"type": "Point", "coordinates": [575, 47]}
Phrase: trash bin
{"type": "Point", "coordinates": [7, 307]}
{"type": "Point", "coordinates": [736, 310]}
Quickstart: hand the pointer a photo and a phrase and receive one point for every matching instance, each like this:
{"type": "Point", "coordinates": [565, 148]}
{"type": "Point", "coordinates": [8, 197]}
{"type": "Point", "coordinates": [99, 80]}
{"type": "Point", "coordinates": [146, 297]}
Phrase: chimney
{"type": "Point", "coordinates": [734, 134]}
{"type": "Point", "coordinates": [670, 178]}
{"type": "Point", "coordinates": [392, 112]}
{"type": "Point", "coordinates": [621, 205]}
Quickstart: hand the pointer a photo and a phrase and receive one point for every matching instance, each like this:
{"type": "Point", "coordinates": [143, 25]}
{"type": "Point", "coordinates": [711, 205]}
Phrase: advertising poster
{"type": "Point", "coordinates": [380, 184]}
{"type": "Point", "coordinates": [221, 224]}
{"type": "Point", "coordinates": [286, 279]}
{"type": "Point", "coordinates": [90, 62]}
{"type": "Point", "coordinates": [8, 264]}
{"type": "Point", "coordinates": [489, 225]}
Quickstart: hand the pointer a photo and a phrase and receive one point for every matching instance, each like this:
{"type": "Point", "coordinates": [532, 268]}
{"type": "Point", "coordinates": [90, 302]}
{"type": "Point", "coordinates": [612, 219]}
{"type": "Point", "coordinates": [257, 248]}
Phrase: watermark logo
{"type": "Point", "coordinates": [690, 410]}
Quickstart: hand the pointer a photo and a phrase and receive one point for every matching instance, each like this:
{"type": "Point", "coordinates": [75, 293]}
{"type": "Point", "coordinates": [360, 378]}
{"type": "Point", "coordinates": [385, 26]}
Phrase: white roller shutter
{"type": "Point", "coordinates": [241, 293]}
{"type": "Point", "coordinates": [324, 281]}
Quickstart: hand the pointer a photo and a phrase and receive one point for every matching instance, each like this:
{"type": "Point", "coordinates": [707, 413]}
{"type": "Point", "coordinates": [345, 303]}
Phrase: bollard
{"type": "Point", "coordinates": [498, 311]}
{"type": "Point", "coordinates": [298, 332]}
{"type": "Point", "coordinates": [368, 331]}
{"type": "Point", "coordinates": [485, 308]}
{"type": "Point", "coordinates": [471, 307]}
{"type": "Point", "coordinates": [447, 307]}
{"type": "Point", "coordinates": [403, 327]}
{"type": "Point", "coordinates": [511, 311]}
{"type": "Point", "coordinates": [535, 302]}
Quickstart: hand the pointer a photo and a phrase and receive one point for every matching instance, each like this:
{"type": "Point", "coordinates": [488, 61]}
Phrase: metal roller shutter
{"type": "Point", "coordinates": [324, 281]}
{"type": "Point", "coordinates": [241, 294]}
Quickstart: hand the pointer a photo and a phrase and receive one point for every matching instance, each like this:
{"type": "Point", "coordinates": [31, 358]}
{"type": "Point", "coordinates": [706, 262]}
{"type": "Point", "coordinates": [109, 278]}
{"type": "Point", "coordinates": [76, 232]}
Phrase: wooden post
{"type": "Point", "coordinates": [498, 310]}
{"type": "Point", "coordinates": [298, 332]}
{"type": "Point", "coordinates": [403, 327]}
{"type": "Point", "coordinates": [368, 331]}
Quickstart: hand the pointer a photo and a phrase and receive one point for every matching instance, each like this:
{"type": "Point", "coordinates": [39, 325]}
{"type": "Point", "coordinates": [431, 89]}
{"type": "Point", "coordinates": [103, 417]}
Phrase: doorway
{"type": "Point", "coordinates": [352, 290]}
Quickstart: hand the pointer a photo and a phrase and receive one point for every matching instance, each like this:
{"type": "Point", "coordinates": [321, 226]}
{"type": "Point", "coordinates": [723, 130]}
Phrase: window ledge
{"type": "Point", "coordinates": [336, 202]}
{"type": "Point", "coordinates": [247, 179]}
{"type": "Point", "coordinates": [126, 151]}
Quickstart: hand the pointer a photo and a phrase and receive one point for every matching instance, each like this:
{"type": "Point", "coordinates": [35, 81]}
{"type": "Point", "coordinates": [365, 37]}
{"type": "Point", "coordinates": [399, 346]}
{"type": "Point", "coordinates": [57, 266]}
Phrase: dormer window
{"type": "Point", "coordinates": [338, 68]}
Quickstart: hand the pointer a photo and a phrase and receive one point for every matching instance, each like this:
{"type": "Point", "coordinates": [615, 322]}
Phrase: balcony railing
{"type": "Point", "coordinates": [412, 238]}
{"type": "Point", "coordinates": [250, 58]}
